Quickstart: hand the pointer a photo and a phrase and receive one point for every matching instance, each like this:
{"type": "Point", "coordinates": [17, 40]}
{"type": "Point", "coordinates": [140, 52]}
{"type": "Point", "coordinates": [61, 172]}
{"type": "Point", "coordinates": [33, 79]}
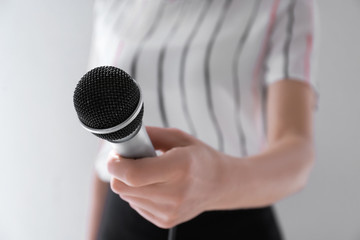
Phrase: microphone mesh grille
{"type": "Point", "coordinates": [124, 132]}
{"type": "Point", "coordinates": [105, 97]}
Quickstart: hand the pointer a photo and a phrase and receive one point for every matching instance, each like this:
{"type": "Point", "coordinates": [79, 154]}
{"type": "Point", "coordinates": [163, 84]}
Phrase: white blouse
{"type": "Point", "coordinates": [204, 65]}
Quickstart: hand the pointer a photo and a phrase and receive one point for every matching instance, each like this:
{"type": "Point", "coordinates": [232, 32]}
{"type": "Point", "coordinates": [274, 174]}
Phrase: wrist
{"type": "Point", "coordinates": [235, 182]}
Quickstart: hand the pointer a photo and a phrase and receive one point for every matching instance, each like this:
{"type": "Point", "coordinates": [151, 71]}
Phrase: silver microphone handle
{"type": "Point", "coordinates": [139, 146]}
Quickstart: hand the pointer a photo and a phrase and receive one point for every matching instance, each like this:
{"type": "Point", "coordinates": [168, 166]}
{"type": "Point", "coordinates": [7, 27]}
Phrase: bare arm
{"type": "Point", "coordinates": [192, 177]}
{"type": "Point", "coordinates": [283, 168]}
{"type": "Point", "coordinates": [99, 190]}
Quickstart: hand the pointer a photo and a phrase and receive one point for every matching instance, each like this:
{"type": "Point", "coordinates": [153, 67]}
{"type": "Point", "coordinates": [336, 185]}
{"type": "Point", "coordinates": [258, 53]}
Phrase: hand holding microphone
{"type": "Point", "coordinates": [187, 179]}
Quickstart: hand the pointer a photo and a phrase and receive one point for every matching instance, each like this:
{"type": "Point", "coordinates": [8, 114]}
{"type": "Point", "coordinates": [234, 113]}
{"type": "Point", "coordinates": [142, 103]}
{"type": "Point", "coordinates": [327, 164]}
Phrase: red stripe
{"type": "Point", "coordinates": [309, 44]}
{"type": "Point", "coordinates": [265, 44]}
{"type": "Point", "coordinates": [259, 64]}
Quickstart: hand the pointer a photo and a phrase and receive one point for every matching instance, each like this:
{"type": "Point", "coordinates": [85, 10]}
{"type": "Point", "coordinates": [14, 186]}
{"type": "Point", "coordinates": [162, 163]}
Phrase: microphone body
{"type": "Point", "coordinates": [137, 146]}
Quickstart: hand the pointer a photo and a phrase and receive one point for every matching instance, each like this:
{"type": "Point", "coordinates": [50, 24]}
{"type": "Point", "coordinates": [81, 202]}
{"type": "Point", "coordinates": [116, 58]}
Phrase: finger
{"type": "Point", "coordinates": [145, 171]}
{"type": "Point", "coordinates": [165, 139]}
{"type": "Point", "coordinates": [160, 193]}
{"type": "Point", "coordinates": [152, 218]}
{"type": "Point", "coordinates": [160, 210]}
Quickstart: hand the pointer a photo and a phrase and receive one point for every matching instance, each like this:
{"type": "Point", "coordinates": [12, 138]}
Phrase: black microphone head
{"type": "Point", "coordinates": [106, 97]}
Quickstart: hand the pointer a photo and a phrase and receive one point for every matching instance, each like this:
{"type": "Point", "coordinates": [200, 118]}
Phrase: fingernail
{"type": "Point", "coordinates": [114, 155]}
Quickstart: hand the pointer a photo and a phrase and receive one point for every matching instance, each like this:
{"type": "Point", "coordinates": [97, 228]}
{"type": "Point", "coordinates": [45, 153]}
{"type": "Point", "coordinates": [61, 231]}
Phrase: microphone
{"type": "Point", "coordinates": [109, 104]}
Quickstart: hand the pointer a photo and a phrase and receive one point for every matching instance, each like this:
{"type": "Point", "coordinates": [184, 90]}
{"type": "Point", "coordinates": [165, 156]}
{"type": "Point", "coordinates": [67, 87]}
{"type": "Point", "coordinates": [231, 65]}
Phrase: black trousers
{"type": "Point", "coordinates": [121, 222]}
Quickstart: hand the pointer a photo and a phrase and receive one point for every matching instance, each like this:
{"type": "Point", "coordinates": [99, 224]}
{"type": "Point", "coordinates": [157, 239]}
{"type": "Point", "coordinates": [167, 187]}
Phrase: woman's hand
{"type": "Point", "coordinates": [191, 177]}
{"type": "Point", "coordinates": [174, 187]}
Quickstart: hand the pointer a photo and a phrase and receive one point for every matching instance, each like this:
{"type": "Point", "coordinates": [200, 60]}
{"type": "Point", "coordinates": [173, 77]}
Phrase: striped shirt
{"type": "Point", "coordinates": [204, 65]}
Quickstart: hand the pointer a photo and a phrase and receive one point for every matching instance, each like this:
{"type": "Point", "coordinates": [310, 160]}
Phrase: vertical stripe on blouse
{"type": "Point", "coordinates": [209, 49]}
{"type": "Point", "coordinates": [160, 77]}
{"type": "Point", "coordinates": [149, 33]}
{"type": "Point", "coordinates": [183, 60]}
{"type": "Point", "coordinates": [236, 75]}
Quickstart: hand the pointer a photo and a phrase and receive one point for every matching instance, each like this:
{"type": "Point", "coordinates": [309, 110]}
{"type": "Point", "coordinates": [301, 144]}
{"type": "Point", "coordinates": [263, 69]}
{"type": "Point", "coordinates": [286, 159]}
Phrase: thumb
{"type": "Point", "coordinates": [165, 139]}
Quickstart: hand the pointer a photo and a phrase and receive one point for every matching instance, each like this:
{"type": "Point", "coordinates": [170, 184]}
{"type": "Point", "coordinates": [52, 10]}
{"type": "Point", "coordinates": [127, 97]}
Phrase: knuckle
{"type": "Point", "coordinates": [130, 178]}
{"type": "Point", "coordinates": [176, 131]}
{"type": "Point", "coordinates": [124, 197]}
{"type": "Point", "coordinates": [161, 224]}
{"type": "Point", "coordinates": [184, 136]}
{"type": "Point", "coordinates": [168, 222]}
{"type": "Point", "coordinates": [115, 186]}
{"type": "Point", "coordinates": [180, 134]}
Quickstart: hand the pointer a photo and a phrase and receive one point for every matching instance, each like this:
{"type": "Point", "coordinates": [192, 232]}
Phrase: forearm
{"type": "Point", "coordinates": [99, 191]}
{"type": "Point", "coordinates": [263, 179]}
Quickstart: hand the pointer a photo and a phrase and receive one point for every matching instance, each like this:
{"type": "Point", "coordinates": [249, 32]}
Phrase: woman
{"type": "Point", "coordinates": [236, 77]}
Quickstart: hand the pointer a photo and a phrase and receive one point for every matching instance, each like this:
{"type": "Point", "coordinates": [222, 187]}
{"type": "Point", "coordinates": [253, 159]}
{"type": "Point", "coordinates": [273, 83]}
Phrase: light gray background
{"type": "Point", "coordinates": [46, 157]}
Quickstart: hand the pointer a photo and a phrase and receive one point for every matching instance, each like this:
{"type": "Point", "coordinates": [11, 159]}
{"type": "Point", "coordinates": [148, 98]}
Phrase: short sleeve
{"type": "Point", "coordinates": [291, 53]}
